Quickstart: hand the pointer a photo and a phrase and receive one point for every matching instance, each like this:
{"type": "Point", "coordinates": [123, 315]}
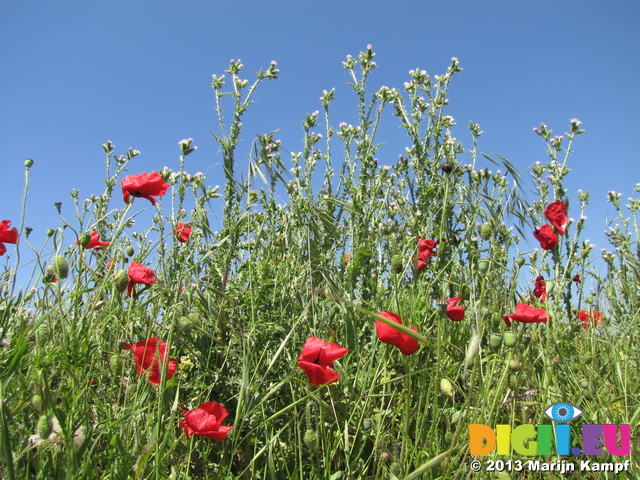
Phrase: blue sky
{"type": "Point", "coordinates": [76, 74]}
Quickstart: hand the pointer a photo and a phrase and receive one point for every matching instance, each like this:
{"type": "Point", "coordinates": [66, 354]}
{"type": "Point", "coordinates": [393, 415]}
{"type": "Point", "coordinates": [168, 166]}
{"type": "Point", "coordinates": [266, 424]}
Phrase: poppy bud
{"type": "Point", "coordinates": [85, 238]}
{"type": "Point", "coordinates": [397, 265]}
{"type": "Point", "coordinates": [310, 438]}
{"type": "Point", "coordinates": [495, 341]}
{"type": "Point", "coordinates": [520, 261]}
{"type": "Point", "coordinates": [121, 280]}
{"type": "Point", "coordinates": [514, 365]}
{"type": "Point", "coordinates": [129, 251]}
{"type": "Point", "coordinates": [60, 266]}
{"type": "Point", "coordinates": [483, 266]}
{"type": "Point", "coordinates": [36, 400]}
{"type": "Point", "coordinates": [45, 427]}
{"type": "Point", "coordinates": [28, 163]}
{"type": "Point", "coordinates": [486, 230]}
{"type": "Point", "coordinates": [366, 424]}
{"type": "Point", "coordinates": [447, 387]}
{"type": "Point", "coordinates": [510, 339]}
{"type": "Point", "coordinates": [584, 384]}
{"type": "Point", "coordinates": [50, 232]}
{"type": "Point", "coordinates": [115, 362]}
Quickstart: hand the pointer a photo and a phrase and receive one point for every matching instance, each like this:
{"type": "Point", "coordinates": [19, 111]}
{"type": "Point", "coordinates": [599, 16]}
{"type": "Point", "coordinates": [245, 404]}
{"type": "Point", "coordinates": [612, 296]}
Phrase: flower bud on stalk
{"type": "Point", "coordinates": [60, 266]}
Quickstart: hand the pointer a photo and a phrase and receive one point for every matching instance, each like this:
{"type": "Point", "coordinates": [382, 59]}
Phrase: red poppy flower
{"type": "Point", "coordinates": [145, 185]}
{"type": "Point", "coordinates": [586, 316]}
{"type": "Point", "coordinates": [183, 232]}
{"type": "Point", "coordinates": [526, 314]}
{"type": "Point", "coordinates": [556, 213]}
{"type": "Point", "coordinates": [8, 235]}
{"type": "Point", "coordinates": [390, 335]}
{"type": "Point", "coordinates": [425, 249]}
{"type": "Point", "coordinates": [95, 242]}
{"type": "Point", "coordinates": [346, 258]}
{"type": "Point", "coordinates": [546, 236]}
{"type": "Point", "coordinates": [454, 311]}
{"type": "Point", "coordinates": [317, 359]}
{"type": "Point", "coordinates": [576, 278]}
{"type": "Point", "coordinates": [540, 289]}
{"type": "Point", "coordinates": [138, 273]}
{"type": "Point", "coordinates": [206, 420]}
{"type": "Point", "coordinates": [148, 354]}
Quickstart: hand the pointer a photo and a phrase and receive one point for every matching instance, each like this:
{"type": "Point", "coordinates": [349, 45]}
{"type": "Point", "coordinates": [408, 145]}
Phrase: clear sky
{"type": "Point", "coordinates": [138, 73]}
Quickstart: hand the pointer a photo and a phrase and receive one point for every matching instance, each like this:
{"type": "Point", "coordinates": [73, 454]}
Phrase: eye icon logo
{"type": "Point", "coordinates": [562, 412]}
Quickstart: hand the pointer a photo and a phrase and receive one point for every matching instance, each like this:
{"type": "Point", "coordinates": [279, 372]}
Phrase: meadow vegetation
{"type": "Point", "coordinates": [286, 314]}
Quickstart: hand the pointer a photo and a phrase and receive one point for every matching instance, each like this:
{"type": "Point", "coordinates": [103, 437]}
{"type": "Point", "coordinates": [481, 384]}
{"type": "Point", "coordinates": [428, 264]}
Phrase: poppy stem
{"type": "Point", "coordinates": [386, 321]}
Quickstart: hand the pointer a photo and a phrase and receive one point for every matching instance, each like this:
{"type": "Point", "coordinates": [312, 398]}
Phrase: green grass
{"type": "Point", "coordinates": [237, 305]}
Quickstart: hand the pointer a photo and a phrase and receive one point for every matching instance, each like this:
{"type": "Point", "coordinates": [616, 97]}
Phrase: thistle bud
{"type": "Point", "coordinates": [60, 266]}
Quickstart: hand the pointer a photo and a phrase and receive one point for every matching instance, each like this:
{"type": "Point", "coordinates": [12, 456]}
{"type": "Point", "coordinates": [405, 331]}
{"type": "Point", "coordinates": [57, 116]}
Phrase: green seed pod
{"type": "Point", "coordinates": [60, 266]}
{"type": "Point", "coordinates": [45, 427]}
{"type": "Point", "coordinates": [584, 384]}
{"type": "Point", "coordinates": [483, 266]}
{"type": "Point", "coordinates": [85, 238]}
{"type": "Point", "coordinates": [526, 339]}
{"type": "Point", "coordinates": [28, 163]}
{"type": "Point", "coordinates": [495, 341]}
{"type": "Point", "coordinates": [441, 307]}
{"type": "Point", "coordinates": [129, 251]}
{"type": "Point", "coordinates": [36, 400]}
{"type": "Point", "coordinates": [366, 424]}
{"type": "Point", "coordinates": [486, 230]}
{"type": "Point", "coordinates": [121, 280]}
{"type": "Point", "coordinates": [447, 387]}
{"type": "Point", "coordinates": [50, 232]}
{"type": "Point", "coordinates": [510, 339]}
